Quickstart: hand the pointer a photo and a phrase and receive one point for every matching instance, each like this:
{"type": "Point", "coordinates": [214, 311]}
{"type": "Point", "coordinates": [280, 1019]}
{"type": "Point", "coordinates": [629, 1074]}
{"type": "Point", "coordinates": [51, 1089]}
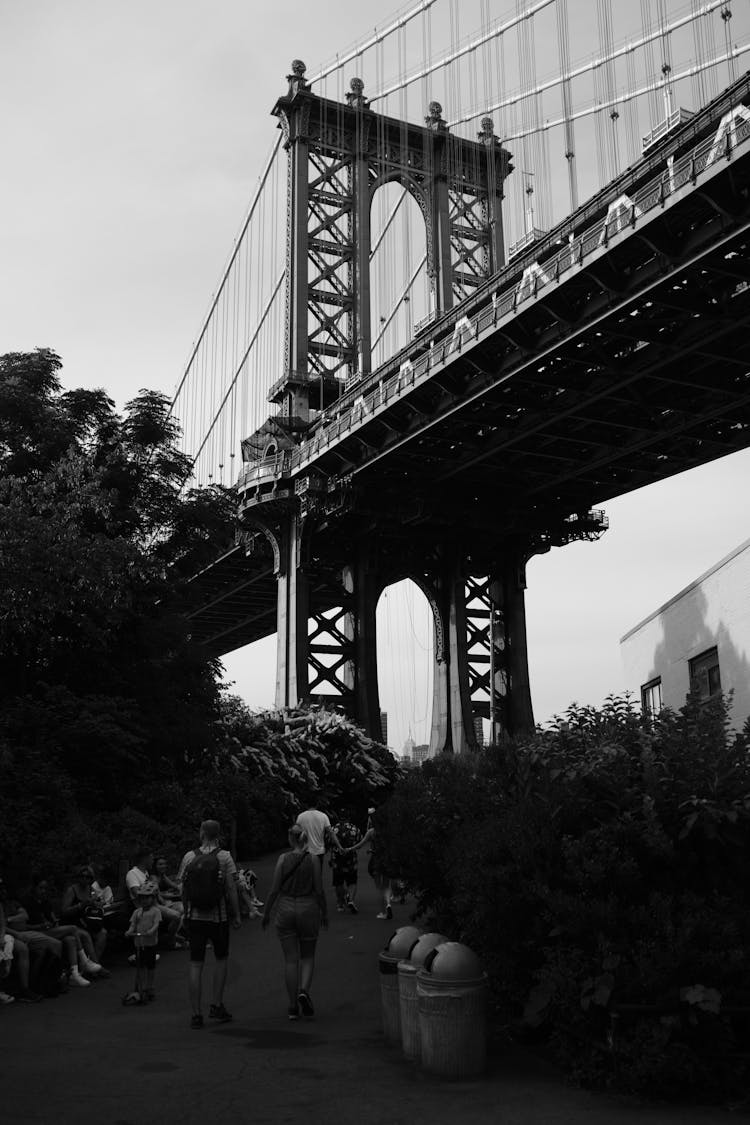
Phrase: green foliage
{"type": "Point", "coordinates": [114, 733]}
{"type": "Point", "coordinates": [598, 869]}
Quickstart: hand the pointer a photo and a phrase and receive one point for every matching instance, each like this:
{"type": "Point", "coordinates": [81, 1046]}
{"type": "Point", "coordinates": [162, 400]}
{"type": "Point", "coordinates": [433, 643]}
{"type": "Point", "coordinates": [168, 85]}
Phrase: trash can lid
{"type": "Point", "coordinates": [426, 943]}
{"type": "Point", "coordinates": [453, 961]}
{"type": "Point", "coordinates": [400, 943]}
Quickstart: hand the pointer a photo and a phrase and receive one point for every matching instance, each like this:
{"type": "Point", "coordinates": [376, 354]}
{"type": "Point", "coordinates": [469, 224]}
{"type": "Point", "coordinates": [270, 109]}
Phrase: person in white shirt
{"type": "Point", "coordinates": [138, 875]}
{"type": "Point", "coordinates": [318, 828]}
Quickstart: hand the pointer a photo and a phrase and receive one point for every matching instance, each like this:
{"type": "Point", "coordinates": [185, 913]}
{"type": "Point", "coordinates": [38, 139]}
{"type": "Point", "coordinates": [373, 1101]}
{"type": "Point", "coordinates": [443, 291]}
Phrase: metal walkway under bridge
{"type": "Point", "coordinates": [611, 354]}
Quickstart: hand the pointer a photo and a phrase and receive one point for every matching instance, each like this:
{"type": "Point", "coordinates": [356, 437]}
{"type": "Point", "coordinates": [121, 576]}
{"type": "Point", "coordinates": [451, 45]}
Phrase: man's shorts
{"type": "Point", "coordinates": [202, 932]}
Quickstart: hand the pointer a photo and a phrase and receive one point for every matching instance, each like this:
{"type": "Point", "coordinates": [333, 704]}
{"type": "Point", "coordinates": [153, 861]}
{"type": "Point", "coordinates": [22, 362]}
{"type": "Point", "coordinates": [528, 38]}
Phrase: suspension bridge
{"type": "Point", "coordinates": [428, 359]}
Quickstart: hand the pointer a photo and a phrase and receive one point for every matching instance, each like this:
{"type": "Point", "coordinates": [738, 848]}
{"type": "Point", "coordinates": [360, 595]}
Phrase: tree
{"type": "Point", "coordinates": [96, 526]}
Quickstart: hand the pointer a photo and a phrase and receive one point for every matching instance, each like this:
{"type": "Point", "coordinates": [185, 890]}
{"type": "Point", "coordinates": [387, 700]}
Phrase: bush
{"type": "Point", "coordinates": [256, 775]}
{"type": "Point", "coordinates": [598, 869]}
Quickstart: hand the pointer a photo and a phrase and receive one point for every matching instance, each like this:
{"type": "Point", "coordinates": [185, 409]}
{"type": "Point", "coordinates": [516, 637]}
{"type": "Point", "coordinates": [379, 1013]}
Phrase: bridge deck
{"type": "Point", "coordinates": [616, 360]}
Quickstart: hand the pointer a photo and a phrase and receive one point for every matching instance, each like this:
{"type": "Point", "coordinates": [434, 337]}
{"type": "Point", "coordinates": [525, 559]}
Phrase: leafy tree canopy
{"type": "Point", "coordinates": [96, 528]}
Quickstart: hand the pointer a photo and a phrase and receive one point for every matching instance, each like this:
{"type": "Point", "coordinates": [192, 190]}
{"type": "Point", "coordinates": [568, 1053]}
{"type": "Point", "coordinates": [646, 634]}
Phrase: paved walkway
{"type": "Point", "coordinates": [83, 1059]}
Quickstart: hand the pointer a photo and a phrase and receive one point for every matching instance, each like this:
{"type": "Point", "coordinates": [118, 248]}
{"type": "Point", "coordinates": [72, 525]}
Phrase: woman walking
{"type": "Point", "coordinates": [301, 911]}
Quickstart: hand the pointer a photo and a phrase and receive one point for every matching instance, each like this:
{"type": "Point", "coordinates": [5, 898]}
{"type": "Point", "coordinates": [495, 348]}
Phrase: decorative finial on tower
{"type": "Point", "coordinates": [434, 119]}
{"type": "Point", "coordinates": [356, 97]}
{"type": "Point", "coordinates": [487, 135]}
{"type": "Point", "coordinates": [296, 79]}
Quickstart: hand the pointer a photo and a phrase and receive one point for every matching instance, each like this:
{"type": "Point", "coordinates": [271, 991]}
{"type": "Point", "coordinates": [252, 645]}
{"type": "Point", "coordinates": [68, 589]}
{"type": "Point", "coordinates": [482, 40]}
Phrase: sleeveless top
{"type": "Point", "coordinates": [300, 884]}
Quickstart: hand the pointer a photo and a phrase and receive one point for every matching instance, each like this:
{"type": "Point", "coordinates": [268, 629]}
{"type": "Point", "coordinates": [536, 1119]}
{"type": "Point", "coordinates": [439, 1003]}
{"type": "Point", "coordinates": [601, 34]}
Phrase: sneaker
{"type": "Point", "coordinates": [219, 1012]}
{"type": "Point", "coordinates": [382, 914]}
{"type": "Point", "coordinates": [76, 978]}
{"type": "Point", "coordinates": [293, 1012]}
{"type": "Point", "coordinates": [352, 908]}
{"type": "Point", "coordinates": [305, 1005]}
{"type": "Point", "coordinates": [131, 999]}
{"type": "Point", "coordinates": [196, 1021]}
{"type": "Point", "coordinates": [5, 998]}
{"type": "Point", "coordinates": [257, 902]}
{"type": "Point", "coordinates": [339, 910]}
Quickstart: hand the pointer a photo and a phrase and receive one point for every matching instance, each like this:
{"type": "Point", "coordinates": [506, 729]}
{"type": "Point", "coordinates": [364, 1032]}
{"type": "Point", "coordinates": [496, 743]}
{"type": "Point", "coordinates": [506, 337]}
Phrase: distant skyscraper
{"type": "Point", "coordinates": [479, 730]}
{"type": "Point", "coordinates": [408, 748]}
{"type": "Point", "coordinates": [384, 727]}
{"type": "Point", "coordinates": [420, 754]}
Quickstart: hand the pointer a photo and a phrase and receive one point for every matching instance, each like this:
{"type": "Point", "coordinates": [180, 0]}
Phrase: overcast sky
{"type": "Point", "coordinates": [132, 136]}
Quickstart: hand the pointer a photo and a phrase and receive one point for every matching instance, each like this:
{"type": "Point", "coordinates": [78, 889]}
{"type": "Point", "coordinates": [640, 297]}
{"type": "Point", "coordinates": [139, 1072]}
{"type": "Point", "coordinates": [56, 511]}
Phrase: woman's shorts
{"type": "Point", "coordinates": [298, 917]}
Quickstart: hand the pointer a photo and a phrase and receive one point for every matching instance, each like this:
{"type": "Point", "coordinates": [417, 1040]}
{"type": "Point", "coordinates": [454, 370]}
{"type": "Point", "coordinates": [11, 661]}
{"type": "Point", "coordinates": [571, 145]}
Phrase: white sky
{"type": "Point", "coordinates": [132, 136]}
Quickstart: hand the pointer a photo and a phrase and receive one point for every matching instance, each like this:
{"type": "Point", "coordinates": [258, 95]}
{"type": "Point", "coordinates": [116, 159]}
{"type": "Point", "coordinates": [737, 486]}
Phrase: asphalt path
{"type": "Point", "coordinates": [84, 1059]}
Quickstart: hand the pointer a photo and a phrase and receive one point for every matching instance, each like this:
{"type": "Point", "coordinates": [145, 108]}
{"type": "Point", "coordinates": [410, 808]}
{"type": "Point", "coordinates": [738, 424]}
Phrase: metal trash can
{"type": "Point", "coordinates": [451, 998]}
{"type": "Point", "coordinates": [397, 948]}
{"type": "Point", "coordinates": [407, 991]}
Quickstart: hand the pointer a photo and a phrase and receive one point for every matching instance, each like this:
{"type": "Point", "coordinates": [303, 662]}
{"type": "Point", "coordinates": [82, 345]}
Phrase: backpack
{"type": "Point", "coordinates": [203, 882]}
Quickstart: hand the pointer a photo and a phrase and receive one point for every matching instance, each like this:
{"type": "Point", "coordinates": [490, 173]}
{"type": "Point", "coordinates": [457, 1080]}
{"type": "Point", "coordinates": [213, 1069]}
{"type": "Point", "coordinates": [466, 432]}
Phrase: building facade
{"type": "Point", "coordinates": [384, 727]}
{"type": "Point", "coordinates": [699, 640]}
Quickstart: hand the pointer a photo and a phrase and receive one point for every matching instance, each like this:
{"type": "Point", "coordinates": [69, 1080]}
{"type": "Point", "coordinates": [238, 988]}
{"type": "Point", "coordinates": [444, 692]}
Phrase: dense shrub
{"type": "Point", "coordinates": [257, 773]}
{"type": "Point", "coordinates": [598, 869]}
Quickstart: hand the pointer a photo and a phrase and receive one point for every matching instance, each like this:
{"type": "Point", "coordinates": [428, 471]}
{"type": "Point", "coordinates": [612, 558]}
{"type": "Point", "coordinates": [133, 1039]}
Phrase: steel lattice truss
{"type": "Point", "coordinates": [331, 655]}
{"type": "Point", "coordinates": [331, 296]}
{"type": "Point", "coordinates": [483, 630]}
{"type": "Point", "coordinates": [470, 242]}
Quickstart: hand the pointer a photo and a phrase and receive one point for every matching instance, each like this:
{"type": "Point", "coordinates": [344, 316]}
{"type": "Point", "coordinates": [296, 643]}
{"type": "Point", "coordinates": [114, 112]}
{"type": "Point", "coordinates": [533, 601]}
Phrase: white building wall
{"type": "Point", "coordinates": [713, 611]}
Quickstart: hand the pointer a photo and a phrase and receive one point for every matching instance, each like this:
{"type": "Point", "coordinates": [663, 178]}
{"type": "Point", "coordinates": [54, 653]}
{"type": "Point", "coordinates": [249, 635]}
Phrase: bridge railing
{"type": "Point", "coordinates": [500, 297]}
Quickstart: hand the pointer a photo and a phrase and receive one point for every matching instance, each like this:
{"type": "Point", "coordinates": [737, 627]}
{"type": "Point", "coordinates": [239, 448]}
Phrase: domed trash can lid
{"type": "Point", "coordinates": [453, 961]}
{"type": "Point", "coordinates": [425, 945]}
{"type": "Point", "coordinates": [400, 944]}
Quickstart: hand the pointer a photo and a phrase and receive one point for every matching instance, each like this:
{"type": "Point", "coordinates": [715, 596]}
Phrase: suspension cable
{"type": "Point", "coordinates": [737, 50]}
{"type": "Point", "coordinates": [585, 68]}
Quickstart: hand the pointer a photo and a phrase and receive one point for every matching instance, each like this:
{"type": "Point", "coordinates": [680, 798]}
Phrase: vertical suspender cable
{"type": "Point", "coordinates": [563, 45]}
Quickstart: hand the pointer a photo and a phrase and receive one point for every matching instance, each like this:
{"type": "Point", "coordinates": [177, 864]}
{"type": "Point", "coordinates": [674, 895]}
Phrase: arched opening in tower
{"type": "Point", "coordinates": [405, 644]}
{"type": "Point", "coordinates": [401, 296]}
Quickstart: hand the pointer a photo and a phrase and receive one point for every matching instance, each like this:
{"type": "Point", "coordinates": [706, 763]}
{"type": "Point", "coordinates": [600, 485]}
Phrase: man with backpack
{"type": "Point", "coordinates": [208, 877]}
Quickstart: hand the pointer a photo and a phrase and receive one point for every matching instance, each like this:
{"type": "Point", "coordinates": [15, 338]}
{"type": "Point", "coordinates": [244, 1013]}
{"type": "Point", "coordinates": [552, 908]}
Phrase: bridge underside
{"type": "Point", "coordinates": [626, 366]}
{"type": "Point", "coordinates": [632, 371]}
{"type": "Point", "coordinates": [232, 602]}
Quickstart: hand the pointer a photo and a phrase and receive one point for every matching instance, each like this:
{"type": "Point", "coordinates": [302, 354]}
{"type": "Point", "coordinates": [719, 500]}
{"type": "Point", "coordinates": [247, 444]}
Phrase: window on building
{"type": "Point", "coordinates": [705, 680]}
{"type": "Point", "coordinates": [651, 697]}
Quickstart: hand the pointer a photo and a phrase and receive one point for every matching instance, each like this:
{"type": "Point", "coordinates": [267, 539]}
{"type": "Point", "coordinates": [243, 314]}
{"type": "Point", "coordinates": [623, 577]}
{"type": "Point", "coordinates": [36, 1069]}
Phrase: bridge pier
{"type": "Point", "coordinates": [481, 662]}
{"type": "Point", "coordinates": [326, 634]}
{"type": "Point", "coordinates": [327, 631]}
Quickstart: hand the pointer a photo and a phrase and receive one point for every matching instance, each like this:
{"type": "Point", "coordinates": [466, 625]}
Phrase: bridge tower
{"type": "Point", "coordinates": [331, 560]}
